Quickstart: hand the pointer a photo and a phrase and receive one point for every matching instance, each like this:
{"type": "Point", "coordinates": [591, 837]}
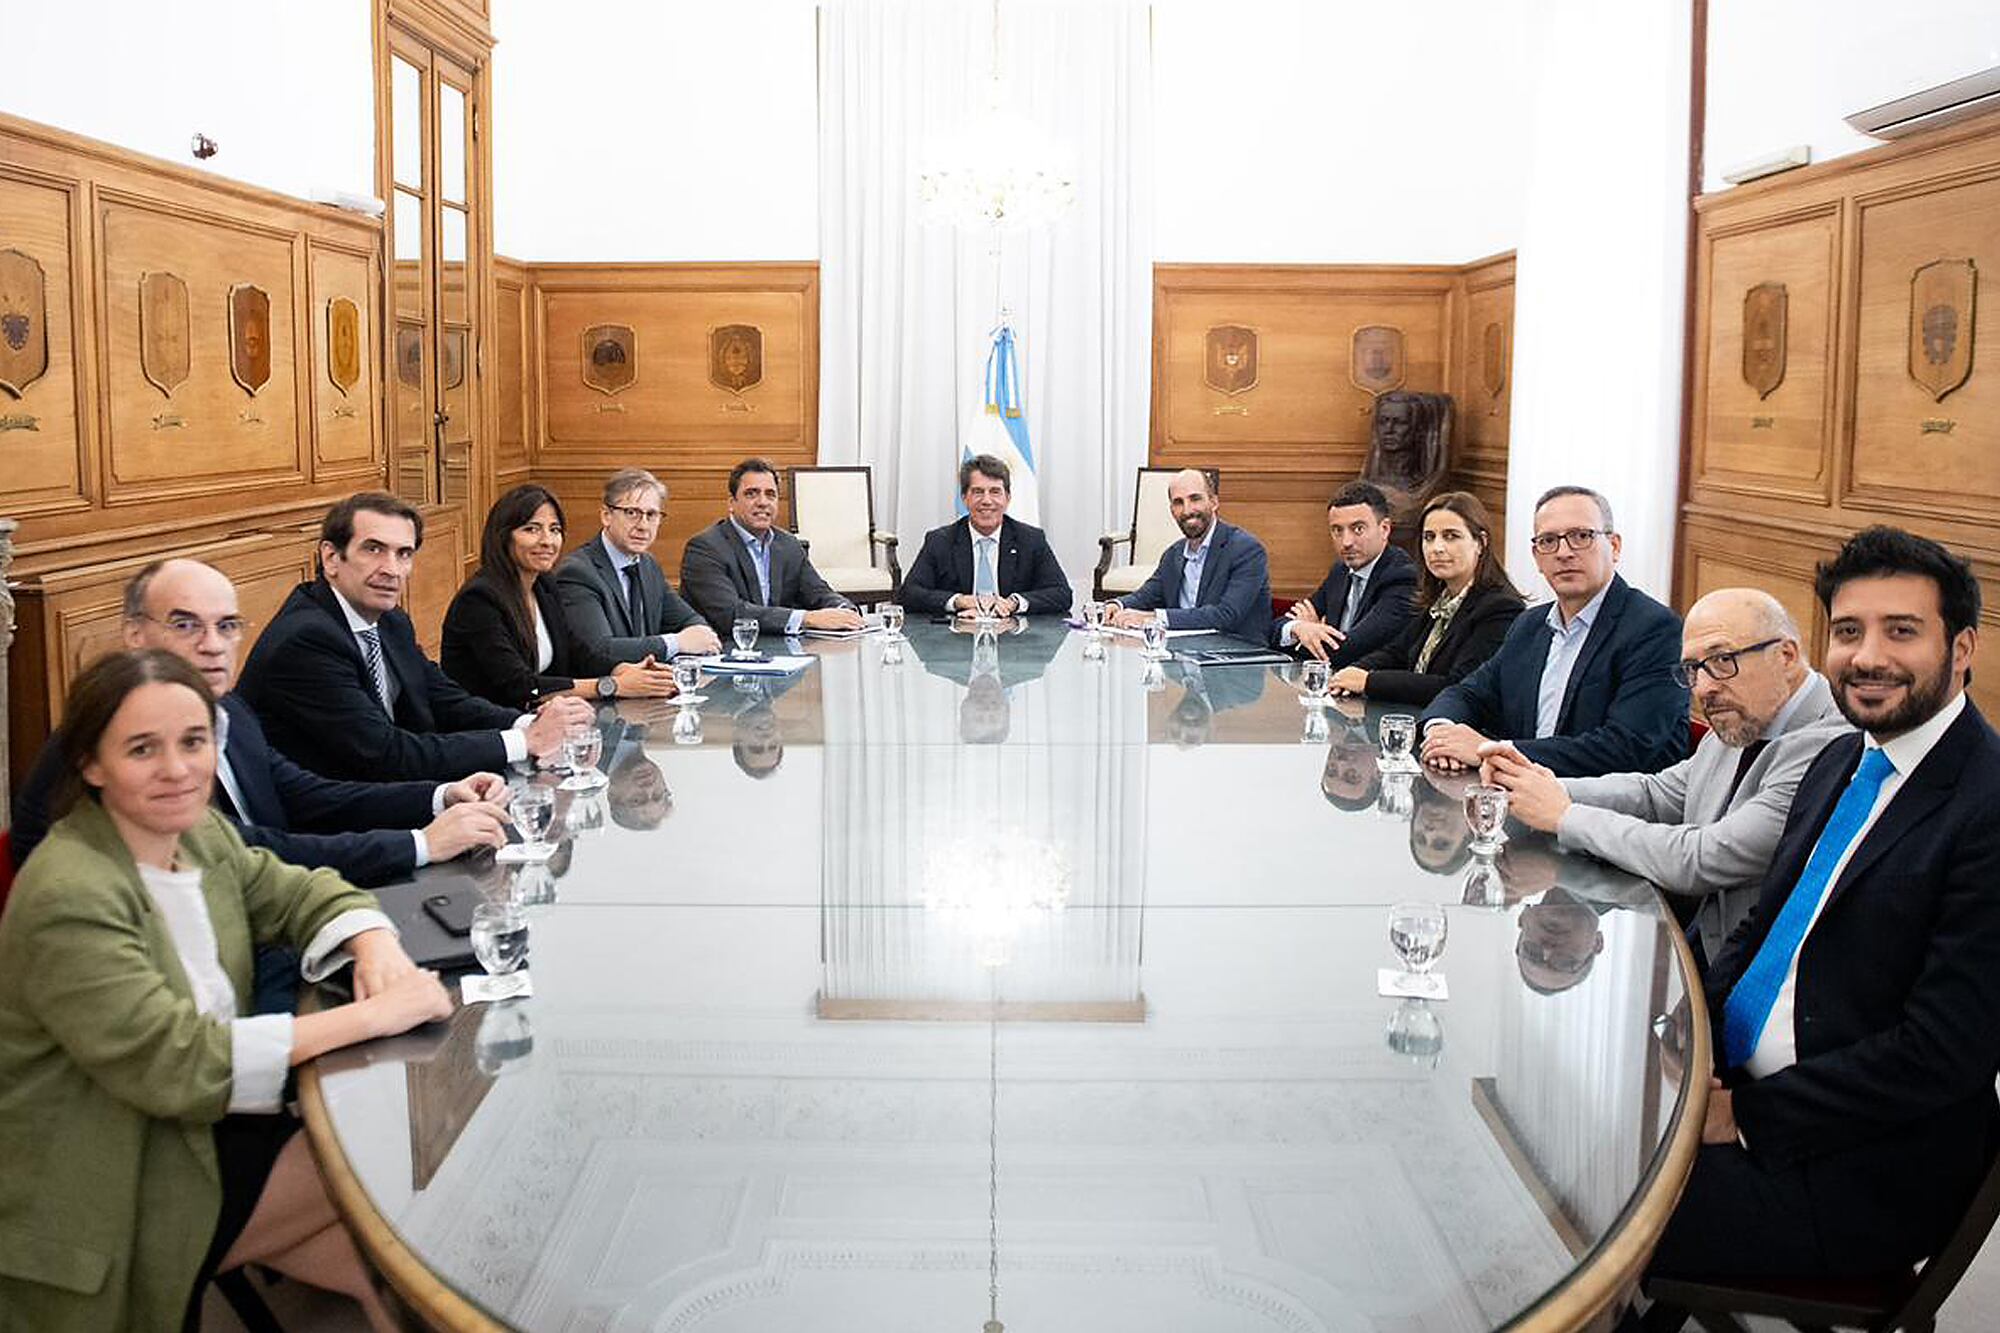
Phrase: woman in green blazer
{"type": "Point", "coordinates": [141, 1120]}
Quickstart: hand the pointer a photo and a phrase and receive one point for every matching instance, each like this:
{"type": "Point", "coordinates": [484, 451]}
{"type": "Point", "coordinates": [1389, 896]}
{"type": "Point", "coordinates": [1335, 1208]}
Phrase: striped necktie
{"type": "Point", "coordinates": [371, 648]}
{"type": "Point", "coordinates": [1748, 1007]}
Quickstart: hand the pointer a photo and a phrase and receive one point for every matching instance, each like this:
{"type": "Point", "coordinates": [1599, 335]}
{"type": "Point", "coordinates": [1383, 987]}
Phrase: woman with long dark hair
{"type": "Point", "coordinates": [142, 1110]}
{"type": "Point", "coordinates": [506, 637]}
{"type": "Point", "coordinates": [1465, 604]}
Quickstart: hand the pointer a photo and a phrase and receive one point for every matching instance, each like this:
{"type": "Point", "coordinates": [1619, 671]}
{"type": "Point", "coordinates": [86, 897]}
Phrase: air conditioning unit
{"type": "Point", "coordinates": [1945, 104]}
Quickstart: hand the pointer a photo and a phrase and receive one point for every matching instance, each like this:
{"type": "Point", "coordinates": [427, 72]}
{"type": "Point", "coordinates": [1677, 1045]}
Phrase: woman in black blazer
{"type": "Point", "coordinates": [1465, 605]}
{"type": "Point", "coordinates": [505, 635]}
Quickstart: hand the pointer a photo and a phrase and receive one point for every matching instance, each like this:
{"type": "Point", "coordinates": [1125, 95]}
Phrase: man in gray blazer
{"type": "Point", "coordinates": [1706, 828]}
{"type": "Point", "coordinates": [746, 565]}
{"type": "Point", "coordinates": [621, 607]}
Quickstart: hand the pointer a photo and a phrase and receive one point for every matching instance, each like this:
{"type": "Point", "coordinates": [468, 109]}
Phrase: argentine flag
{"type": "Point", "coordinates": [999, 429]}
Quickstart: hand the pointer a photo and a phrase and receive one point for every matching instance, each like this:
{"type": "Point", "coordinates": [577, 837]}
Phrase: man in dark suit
{"type": "Point", "coordinates": [1219, 579]}
{"type": "Point", "coordinates": [618, 601]}
{"type": "Point", "coordinates": [342, 687]}
{"type": "Point", "coordinates": [748, 566]}
{"type": "Point", "coordinates": [986, 551]}
{"type": "Point", "coordinates": [371, 832]}
{"type": "Point", "coordinates": [1856, 1011]}
{"type": "Point", "coordinates": [1587, 688]}
{"type": "Point", "coordinates": [1367, 597]}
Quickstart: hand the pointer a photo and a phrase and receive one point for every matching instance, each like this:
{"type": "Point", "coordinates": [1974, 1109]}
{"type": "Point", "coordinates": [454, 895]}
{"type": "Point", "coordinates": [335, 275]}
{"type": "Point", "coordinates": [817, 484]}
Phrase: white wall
{"type": "Point", "coordinates": [285, 90]}
{"type": "Point", "coordinates": [1785, 72]}
{"type": "Point", "coordinates": [1295, 131]}
{"type": "Point", "coordinates": [655, 130]}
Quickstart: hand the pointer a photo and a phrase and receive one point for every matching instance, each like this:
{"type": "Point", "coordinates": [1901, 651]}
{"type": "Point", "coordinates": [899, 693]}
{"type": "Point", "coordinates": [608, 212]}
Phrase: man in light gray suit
{"type": "Point", "coordinates": [621, 607]}
{"type": "Point", "coordinates": [1705, 829]}
{"type": "Point", "coordinates": [746, 565]}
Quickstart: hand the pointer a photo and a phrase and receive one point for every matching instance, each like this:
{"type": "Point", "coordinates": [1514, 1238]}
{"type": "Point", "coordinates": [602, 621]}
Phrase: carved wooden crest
{"type": "Point", "coordinates": [736, 357]}
{"type": "Point", "coordinates": [24, 322]}
{"type": "Point", "coordinates": [610, 357]}
{"type": "Point", "coordinates": [343, 343]}
{"type": "Point", "coordinates": [410, 354]}
{"type": "Point", "coordinates": [1230, 364]}
{"type": "Point", "coordinates": [1942, 297]}
{"type": "Point", "coordinates": [1764, 314]}
{"type": "Point", "coordinates": [1376, 363]}
{"type": "Point", "coordinates": [250, 336]}
{"type": "Point", "coordinates": [164, 342]}
{"type": "Point", "coordinates": [451, 358]}
{"type": "Point", "coordinates": [1493, 359]}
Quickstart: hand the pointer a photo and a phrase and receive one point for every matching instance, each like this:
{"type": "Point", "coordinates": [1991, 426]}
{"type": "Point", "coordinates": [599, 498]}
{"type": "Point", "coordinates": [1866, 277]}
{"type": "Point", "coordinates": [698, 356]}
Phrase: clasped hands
{"type": "Point", "coordinates": [965, 605]}
{"type": "Point", "coordinates": [1311, 632]}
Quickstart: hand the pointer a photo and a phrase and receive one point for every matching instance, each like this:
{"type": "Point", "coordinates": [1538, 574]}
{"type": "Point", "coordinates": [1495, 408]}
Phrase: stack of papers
{"type": "Point", "coordinates": [774, 665]}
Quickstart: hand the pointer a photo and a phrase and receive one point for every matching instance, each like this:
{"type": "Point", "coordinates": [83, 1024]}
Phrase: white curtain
{"type": "Point", "coordinates": [1598, 298]}
{"type": "Point", "coordinates": [906, 305]}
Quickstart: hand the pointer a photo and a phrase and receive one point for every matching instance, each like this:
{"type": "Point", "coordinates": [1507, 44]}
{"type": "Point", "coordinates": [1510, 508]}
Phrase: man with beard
{"type": "Point", "coordinates": [1219, 579]}
{"type": "Point", "coordinates": [1703, 830]}
{"type": "Point", "coordinates": [1856, 1011]}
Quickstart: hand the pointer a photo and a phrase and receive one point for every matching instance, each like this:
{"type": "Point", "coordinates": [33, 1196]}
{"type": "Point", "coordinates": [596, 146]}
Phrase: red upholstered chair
{"type": "Point", "coordinates": [1696, 730]}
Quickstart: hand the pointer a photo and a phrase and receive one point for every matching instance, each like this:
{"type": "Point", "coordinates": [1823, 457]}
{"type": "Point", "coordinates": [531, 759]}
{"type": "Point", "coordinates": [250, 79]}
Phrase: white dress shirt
{"type": "Point", "coordinates": [1777, 1048]}
{"type": "Point", "coordinates": [670, 646]}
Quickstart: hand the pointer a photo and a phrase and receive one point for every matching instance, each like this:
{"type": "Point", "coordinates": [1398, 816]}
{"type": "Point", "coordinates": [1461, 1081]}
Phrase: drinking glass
{"type": "Point", "coordinates": [1485, 812]}
{"type": "Point", "coordinates": [1314, 675]}
{"type": "Point", "coordinates": [1155, 635]}
{"type": "Point", "coordinates": [1416, 1031]}
{"type": "Point", "coordinates": [1398, 732]}
{"type": "Point", "coordinates": [1398, 797]}
{"type": "Point", "coordinates": [687, 677]}
{"type": "Point", "coordinates": [1317, 729]}
{"type": "Point", "coordinates": [1417, 933]}
{"type": "Point", "coordinates": [744, 632]}
{"type": "Point", "coordinates": [587, 813]}
{"type": "Point", "coordinates": [584, 743]}
{"type": "Point", "coordinates": [1093, 647]}
{"type": "Point", "coordinates": [687, 727]}
{"type": "Point", "coordinates": [1484, 885]}
{"type": "Point", "coordinates": [892, 622]}
{"type": "Point", "coordinates": [499, 937]}
{"type": "Point", "coordinates": [1093, 616]}
{"type": "Point", "coordinates": [534, 810]}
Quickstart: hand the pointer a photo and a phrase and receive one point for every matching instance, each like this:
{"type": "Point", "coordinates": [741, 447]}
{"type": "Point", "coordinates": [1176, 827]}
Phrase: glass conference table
{"type": "Point", "coordinates": [981, 979]}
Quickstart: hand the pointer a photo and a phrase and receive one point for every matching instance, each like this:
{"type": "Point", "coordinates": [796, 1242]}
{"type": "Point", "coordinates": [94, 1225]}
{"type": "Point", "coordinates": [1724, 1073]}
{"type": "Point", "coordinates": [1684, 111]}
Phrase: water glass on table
{"type": "Point", "coordinates": [744, 632]}
{"type": "Point", "coordinates": [499, 937]}
{"type": "Point", "coordinates": [1485, 813]}
{"type": "Point", "coordinates": [583, 745]}
{"type": "Point", "coordinates": [1093, 617]}
{"type": "Point", "coordinates": [533, 808]}
{"type": "Point", "coordinates": [1398, 734]}
{"type": "Point", "coordinates": [1417, 934]}
{"type": "Point", "coordinates": [1155, 634]}
{"type": "Point", "coordinates": [687, 677]}
{"type": "Point", "coordinates": [1314, 678]}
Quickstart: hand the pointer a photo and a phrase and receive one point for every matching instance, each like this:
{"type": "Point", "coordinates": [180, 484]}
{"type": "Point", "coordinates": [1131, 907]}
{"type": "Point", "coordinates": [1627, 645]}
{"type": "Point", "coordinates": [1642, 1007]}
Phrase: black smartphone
{"type": "Point", "coordinates": [453, 914]}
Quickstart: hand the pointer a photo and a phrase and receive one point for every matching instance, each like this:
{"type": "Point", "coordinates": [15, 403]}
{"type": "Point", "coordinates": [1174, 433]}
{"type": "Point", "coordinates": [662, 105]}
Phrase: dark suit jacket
{"type": "Point", "coordinates": [1235, 593]}
{"type": "Point", "coordinates": [1026, 566]}
{"type": "Point", "coordinates": [600, 618]}
{"type": "Point", "coordinates": [1889, 1110]}
{"type": "Point", "coordinates": [1020, 657]}
{"type": "Point", "coordinates": [1474, 635]}
{"type": "Point", "coordinates": [483, 650]}
{"type": "Point", "coordinates": [311, 689]}
{"type": "Point", "coordinates": [720, 580]}
{"type": "Point", "coordinates": [1621, 712]}
{"type": "Point", "coordinates": [1385, 605]}
{"type": "Point", "coordinates": [360, 829]}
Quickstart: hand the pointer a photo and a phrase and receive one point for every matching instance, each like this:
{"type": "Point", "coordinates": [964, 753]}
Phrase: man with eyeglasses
{"type": "Point", "coordinates": [371, 832]}
{"type": "Point", "coordinates": [1586, 689]}
{"type": "Point", "coordinates": [620, 606]}
{"type": "Point", "coordinates": [1703, 830]}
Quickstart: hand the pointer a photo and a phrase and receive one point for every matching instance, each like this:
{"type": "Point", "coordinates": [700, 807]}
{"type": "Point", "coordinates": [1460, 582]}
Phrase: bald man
{"type": "Point", "coordinates": [1219, 579]}
{"type": "Point", "coordinates": [371, 832]}
{"type": "Point", "coordinates": [1705, 829]}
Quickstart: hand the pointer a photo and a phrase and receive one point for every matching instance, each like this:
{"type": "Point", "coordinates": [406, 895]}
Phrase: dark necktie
{"type": "Point", "coordinates": [1743, 764]}
{"type": "Point", "coordinates": [635, 602]}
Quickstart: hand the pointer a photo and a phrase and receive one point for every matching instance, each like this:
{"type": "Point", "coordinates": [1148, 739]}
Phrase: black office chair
{"type": "Point", "coordinates": [1906, 1301]}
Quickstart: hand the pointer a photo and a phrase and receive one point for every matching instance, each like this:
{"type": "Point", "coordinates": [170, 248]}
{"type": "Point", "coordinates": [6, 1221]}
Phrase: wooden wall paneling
{"type": "Point", "coordinates": [347, 425]}
{"type": "Point", "coordinates": [510, 374]}
{"type": "Point", "coordinates": [1906, 441]}
{"type": "Point", "coordinates": [439, 570]}
{"type": "Point", "coordinates": [1769, 439]}
{"type": "Point", "coordinates": [1481, 431]}
{"type": "Point", "coordinates": [44, 429]}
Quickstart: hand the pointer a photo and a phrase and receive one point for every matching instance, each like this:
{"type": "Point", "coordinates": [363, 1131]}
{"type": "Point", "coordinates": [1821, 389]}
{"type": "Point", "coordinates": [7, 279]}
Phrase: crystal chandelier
{"type": "Point", "coordinates": [997, 174]}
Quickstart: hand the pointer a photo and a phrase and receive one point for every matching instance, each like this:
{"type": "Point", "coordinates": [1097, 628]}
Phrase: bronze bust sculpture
{"type": "Point", "coordinates": [1409, 452]}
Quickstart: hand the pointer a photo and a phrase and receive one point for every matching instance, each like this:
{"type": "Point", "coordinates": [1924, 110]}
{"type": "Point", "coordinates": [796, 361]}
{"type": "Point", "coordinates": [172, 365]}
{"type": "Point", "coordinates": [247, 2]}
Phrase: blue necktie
{"type": "Point", "coordinates": [371, 645]}
{"type": "Point", "coordinates": [982, 577]}
{"type": "Point", "coordinates": [1748, 1007]}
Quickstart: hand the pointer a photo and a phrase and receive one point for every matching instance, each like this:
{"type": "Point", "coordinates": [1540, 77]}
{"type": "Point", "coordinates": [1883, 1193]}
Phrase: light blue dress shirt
{"type": "Point", "coordinates": [1191, 571]}
{"type": "Point", "coordinates": [1565, 647]}
{"type": "Point", "coordinates": [760, 556]}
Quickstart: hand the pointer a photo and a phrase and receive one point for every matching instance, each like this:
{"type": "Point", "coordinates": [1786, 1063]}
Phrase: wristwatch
{"type": "Point", "coordinates": [607, 687]}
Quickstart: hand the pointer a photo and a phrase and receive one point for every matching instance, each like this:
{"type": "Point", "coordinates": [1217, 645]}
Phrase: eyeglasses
{"type": "Point", "coordinates": [192, 628]}
{"type": "Point", "coordinates": [1719, 666]}
{"type": "Point", "coordinates": [1577, 539]}
{"type": "Point", "coordinates": [634, 514]}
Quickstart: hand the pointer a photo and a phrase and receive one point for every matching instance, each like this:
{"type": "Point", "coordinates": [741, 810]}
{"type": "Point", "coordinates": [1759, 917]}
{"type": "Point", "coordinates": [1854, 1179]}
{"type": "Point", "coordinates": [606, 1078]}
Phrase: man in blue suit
{"type": "Point", "coordinates": [1856, 1010]}
{"type": "Point", "coordinates": [371, 832]}
{"type": "Point", "coordinates": [1586, 689]}
{"type": "Point", "coordinates": [1219, 579]}
{"type": "Point", "coordinates": [1366, 598]}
